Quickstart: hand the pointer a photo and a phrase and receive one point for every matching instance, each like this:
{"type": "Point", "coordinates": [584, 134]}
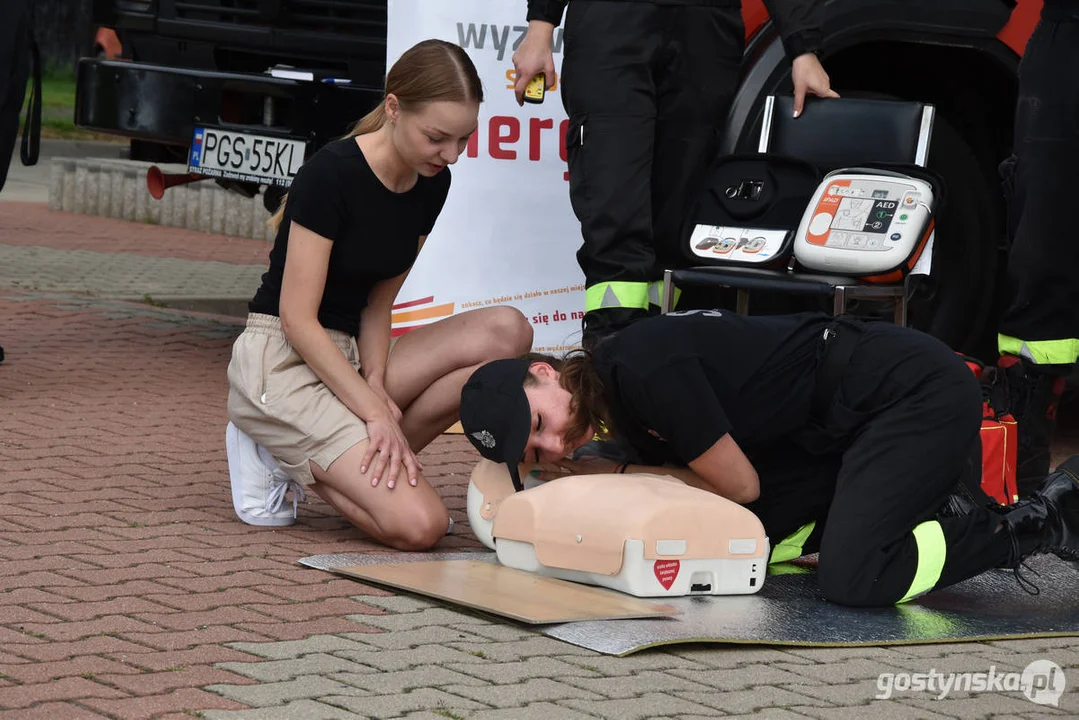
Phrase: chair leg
{"type": "Point", "coordinates": [743, 302]}
{"type": "Point", "coordinates": [839, 301]}
{"type": "Point", "coordinates": [667, 301]}
{"type": "Point", "coordinates": [901, 310]}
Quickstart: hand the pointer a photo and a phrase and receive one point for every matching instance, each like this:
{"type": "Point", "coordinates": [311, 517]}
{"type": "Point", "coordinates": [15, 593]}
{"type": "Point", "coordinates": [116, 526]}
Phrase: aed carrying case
{"type": "Point", "coordinates": [748, 210]}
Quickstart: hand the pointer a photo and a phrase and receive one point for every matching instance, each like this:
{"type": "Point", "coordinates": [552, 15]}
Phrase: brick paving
{"type": "Point", "coordinates": [129, 590]}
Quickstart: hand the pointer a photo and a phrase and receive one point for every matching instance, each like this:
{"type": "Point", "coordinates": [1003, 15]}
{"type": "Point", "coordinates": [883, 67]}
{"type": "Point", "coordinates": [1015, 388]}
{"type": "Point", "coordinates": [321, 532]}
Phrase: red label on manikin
{"type": "Point", "coordinates": [666, 571]}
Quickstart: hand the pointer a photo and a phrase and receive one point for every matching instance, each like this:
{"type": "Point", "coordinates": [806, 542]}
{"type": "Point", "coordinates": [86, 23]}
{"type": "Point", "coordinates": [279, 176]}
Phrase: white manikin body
{"type": "Point", "coordinates": [645, 535]}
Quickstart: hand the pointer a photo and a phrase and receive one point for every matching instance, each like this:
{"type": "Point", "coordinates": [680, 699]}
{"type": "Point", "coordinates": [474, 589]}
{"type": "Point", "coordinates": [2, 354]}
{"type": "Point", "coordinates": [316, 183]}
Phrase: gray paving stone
{"type": "Point", "coordinates": [392, 660]}
{"type": "Point", "coordinates": [419, 619]}
{"type": "Point", "coordinates": [849, 693]}
{"type": "Point", "coordinates": [975, 704]}
{"type": "Point", "coordinates": [498, 632]}
{"type": "Point", "coordinates": [749, 699]}
{"type": "Point", "coordinates": [295, 710]}
{"type": "Point", "coordinates": [114, 275]}
{"type": "Point", "coordinates": [382, 683]}
{"type": "Point", "coordinates": [428, 715]}
{"type": "Point", "coordinates": [717, 656]}
{"type": "Point", "coordinates": [279, 670]}
{"type": "Point", "coordinates": [880, 710]}
{"type": "Point", "coordinates": [843, 671]}
{"type": "Point", "coordinates": [532, 711]}
{"type": "Point", "coordinates": [1028, 646]}
{"type": "Point", "coordinates": [286, 649]}
{"type": "Point", "coordinates": [610, 666]}
{"type": "Point", "coordinates": [396, 603]}
{"type": "Point", "coordinates": [837, 654]}
{"type": "Point", "coordinates": [503, 673]}
{"type": "Point", "coordinates": [391, 706]}
{"type": "Point", "coordinates": [522, 693]}
{"type": "Point", "coordinates": [266, 694]}
{"type": "Point", "coordinates": [645, 707]}
{"type": "Point", "coordinates": [429, 635]}
{"type": "Point", "coordinates": [629, 686]}
{"type": "Point", "coordinates": [762, 714]}
{"type": "Point", "coordinates": [521, 649]}
{"type": "Point", "coordinates": [747, 676]}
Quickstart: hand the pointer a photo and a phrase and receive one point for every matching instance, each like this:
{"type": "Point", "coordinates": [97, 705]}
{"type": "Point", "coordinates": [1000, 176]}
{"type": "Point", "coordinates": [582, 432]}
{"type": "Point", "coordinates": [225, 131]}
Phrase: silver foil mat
{"type": "Point", "coordinates": [789, 610]}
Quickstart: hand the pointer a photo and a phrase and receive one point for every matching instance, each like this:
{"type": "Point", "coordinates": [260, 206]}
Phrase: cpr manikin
{"type": "Point", "coordinates": [645, 535]}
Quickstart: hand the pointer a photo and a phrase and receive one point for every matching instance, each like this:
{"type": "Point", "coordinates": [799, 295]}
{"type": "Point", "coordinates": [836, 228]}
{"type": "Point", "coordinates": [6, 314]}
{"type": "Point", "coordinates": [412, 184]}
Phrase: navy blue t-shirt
{"type": "Point", "coordinates": [375, 231]}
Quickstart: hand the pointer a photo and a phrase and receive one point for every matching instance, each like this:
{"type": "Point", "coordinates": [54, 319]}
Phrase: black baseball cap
{"type": "Point", "coordinates": [495, 413]}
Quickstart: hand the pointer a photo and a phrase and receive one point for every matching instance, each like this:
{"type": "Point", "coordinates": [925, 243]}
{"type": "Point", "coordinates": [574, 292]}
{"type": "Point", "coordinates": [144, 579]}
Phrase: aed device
{"type": "Point", "coordinates": [866, 222]}
{"type": "Point", "coordinates": [641, 534]}
{"type": "Point", "coordinates": [536, 89]}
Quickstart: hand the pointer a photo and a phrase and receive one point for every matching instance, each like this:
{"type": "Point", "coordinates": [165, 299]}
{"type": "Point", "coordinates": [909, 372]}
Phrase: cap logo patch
{"type": "Point", "coordinates": [484, 438]}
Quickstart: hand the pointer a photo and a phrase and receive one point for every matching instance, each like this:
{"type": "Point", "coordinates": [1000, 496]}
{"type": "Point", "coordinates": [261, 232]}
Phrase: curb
{"type": "Point", "coordinates": [116, 188]}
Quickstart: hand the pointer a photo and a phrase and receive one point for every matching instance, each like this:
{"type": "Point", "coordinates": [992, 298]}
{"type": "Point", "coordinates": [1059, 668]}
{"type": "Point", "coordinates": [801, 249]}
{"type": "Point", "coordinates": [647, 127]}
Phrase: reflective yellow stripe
{"type": "Point", "coordinates": [655, 294]}
{"type": "Point", "coordinates": [790, 547]}
{"type": "Point", "coordinates": [1041, 352]}
{"type": "Point", "coordinates": [932, 550]}
{"type": "Point", "coordinates": [616, 295]}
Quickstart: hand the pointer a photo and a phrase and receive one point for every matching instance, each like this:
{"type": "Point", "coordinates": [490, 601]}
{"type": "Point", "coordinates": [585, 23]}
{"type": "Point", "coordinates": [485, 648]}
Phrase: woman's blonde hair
{"type": "Point", "coordinates": [429, 71]}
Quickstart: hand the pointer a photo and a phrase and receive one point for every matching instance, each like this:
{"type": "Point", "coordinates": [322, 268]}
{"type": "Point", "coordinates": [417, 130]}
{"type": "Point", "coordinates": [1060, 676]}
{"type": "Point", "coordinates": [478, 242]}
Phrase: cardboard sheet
{"type": "Point", "coordinates": [515, 594]}
{"type": "Point", "coordinates": [790, 611]}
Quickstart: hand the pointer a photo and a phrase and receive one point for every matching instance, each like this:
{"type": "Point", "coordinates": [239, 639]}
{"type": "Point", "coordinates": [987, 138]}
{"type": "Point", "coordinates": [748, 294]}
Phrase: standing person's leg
{"type": "Point", "coordinates": [1039, 333]}
{"type": "Point", "coordinates": [609, 96]}
{"type": "Point", "coordinates": [913, 411]}
{"type": "Point", "coordinates": [699, 68]}
{"type": "Point", "coordinates": [14, 71]}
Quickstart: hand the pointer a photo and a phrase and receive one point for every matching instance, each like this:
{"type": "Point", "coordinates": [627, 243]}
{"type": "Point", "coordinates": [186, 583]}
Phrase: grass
{"type": "Point", "coordinates": [58, 109]}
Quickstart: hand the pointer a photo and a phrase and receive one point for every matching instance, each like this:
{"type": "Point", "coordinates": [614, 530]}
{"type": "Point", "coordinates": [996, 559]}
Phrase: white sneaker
{"type": "Point", "coordinates": [259, 485]}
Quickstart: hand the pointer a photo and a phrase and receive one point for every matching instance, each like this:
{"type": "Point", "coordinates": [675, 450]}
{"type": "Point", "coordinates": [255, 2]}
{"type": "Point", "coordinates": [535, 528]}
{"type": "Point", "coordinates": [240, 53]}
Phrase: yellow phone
{"type": "Point", "coordinates": [536, 89]}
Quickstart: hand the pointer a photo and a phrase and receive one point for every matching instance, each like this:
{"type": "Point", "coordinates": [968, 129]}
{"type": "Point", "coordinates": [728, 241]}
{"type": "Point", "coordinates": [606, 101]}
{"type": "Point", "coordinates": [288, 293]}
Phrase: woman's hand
{"type": "Point", "coordinates": [809, 76]}
{"type": "Point", "coordinates": [534, 56]}
{"type": "Point", "coordinates": [389, 450]}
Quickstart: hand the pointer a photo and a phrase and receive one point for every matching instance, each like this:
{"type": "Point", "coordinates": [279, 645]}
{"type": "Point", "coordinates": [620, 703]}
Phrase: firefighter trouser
{"type": "Point", "coordinates": [1042, 323]}
{"type": "Point", "coordinates": [647, 89]}
{"type": "Point", "coordinates": [905, 418]}
{"type": "Point", "coordinates": [14, 71]}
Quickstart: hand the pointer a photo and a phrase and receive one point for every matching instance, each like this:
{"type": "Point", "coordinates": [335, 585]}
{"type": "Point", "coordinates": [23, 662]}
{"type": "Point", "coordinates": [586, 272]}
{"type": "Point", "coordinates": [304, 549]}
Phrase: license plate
{"type": "Point", "coordinates": [245, 156]}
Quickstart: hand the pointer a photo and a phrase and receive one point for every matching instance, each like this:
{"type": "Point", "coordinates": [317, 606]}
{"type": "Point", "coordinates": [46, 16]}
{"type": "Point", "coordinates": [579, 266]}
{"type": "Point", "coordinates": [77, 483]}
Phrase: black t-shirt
{"type": "Point", "coordinates": [677, 383]}
{"type": "Point", "coordinates": [375, 231]}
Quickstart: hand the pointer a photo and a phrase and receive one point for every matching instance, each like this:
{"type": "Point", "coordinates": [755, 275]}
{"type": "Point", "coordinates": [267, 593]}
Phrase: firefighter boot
{"type": "Point", "coordinates": [1047, 521]}
{"type": "Point", "coordinates": [1032, 396]}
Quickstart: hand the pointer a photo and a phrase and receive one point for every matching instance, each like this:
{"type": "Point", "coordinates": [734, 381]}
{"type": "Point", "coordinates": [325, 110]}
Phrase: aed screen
{"type": "Point", "coordinates": [864, 215]}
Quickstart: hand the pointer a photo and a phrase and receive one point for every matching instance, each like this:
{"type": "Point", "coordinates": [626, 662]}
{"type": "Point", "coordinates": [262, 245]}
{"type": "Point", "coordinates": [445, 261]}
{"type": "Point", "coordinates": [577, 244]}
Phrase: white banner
{"type": "Point", "coordinates": [507, 234]}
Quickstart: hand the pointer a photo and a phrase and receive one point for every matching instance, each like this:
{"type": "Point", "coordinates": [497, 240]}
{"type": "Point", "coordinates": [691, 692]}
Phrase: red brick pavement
{"type": "Point", "coordinates": [123, 570]}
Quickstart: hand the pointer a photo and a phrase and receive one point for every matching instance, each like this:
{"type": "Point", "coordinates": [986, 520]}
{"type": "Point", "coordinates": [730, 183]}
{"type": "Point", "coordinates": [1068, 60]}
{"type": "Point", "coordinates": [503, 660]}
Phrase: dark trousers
{"type": "Point", "coordinates": [14, 71]}
{"type": "Point", "coordinates": [1043, 184]}
{"type": "Point", "coordinates": [903, 423]}
{"type": "Point", "coordinates": [647, 88]}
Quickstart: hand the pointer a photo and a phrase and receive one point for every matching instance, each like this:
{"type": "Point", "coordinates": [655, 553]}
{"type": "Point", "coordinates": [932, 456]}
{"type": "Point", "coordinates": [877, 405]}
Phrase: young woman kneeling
{"type": "Point", "coordinates": [320, 397]}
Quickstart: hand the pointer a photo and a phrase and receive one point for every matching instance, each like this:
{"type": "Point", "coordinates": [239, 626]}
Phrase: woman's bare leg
{"type": "Point", "coordinates": [429, 365]}
{"type": "Point", "coordinates": [404, 517]}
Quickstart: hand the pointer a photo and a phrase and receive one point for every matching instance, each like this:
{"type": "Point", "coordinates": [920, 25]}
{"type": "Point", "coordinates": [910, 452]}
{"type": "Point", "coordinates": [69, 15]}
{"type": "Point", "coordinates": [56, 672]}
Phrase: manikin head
{"type": "Point", "coordinates": [520, 411]}
{"type": "Point", "coordinates": [433, 94]}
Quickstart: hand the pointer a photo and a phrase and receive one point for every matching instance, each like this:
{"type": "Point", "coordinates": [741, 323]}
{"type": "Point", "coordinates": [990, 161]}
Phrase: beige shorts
{"type": "Point", "coordinates": [277, 399]}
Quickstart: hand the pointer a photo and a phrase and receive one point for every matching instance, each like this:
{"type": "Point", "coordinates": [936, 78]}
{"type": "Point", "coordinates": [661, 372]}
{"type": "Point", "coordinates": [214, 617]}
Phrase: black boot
{"type": "Point", "coordinates": [1031, 393]}
{"type": "Point", "coordinates": [1047, 521]}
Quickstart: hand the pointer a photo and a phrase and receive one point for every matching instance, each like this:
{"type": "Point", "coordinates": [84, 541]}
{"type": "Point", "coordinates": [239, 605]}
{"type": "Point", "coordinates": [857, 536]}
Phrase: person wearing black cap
{"type": "Point", "coordinates": [846, 438]}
